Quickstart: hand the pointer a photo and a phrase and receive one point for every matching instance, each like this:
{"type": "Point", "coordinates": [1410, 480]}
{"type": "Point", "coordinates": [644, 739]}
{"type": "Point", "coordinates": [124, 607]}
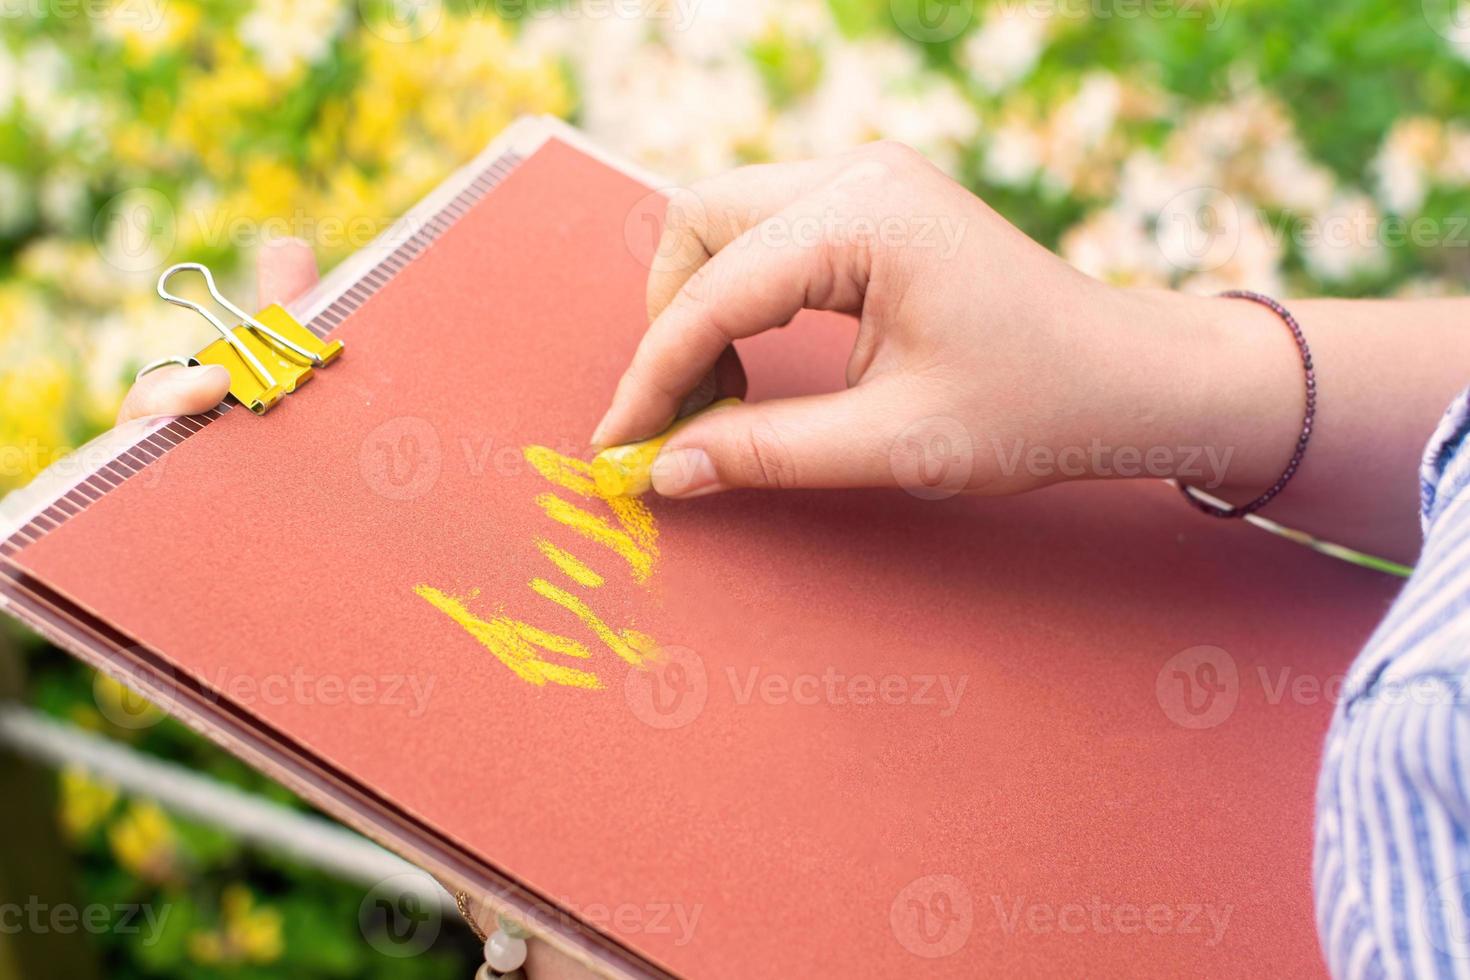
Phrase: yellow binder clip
{"type": "Point", "coordinates": [268, 355]}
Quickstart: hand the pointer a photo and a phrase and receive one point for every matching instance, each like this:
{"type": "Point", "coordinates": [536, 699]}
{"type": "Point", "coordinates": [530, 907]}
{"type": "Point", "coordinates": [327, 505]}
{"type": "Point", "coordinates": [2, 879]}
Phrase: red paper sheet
{"type": "Point", "coordinates": [1122, 786]}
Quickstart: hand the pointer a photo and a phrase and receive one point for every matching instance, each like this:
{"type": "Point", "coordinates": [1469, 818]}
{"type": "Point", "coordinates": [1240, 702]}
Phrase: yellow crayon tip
{"type": "Point", "coordinates": [627, 471]}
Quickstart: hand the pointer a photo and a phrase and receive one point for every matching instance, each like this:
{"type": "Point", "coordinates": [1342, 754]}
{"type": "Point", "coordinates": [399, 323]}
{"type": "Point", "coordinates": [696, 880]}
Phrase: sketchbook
{"type": "Point", "coordinates": [857, 734]}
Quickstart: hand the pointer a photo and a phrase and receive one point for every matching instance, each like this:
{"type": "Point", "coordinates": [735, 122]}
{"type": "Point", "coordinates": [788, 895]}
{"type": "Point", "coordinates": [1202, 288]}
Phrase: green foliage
{"type": "Point", "coordinates": [319, 920]}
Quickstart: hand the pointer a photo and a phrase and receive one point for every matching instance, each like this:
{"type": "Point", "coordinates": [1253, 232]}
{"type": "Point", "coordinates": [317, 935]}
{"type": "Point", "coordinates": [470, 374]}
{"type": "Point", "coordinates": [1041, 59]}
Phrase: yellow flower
{"type": "Point", "coordinates": [125, 709]}
{"type": "Point", "coordinates": [75, 269]}
{"type": "Point", "coordinates": [246, 933]}
{"type": "Point", "coordinates": [135, 142]}
{"type": "Point", "coordinates": [348, 214]}
{"type": "Point", "coordinates": [459, 84]}
{"type": "Point", "coordinates": [215, 100]}
{"type": "Point", "coordinates": [85, 802]}
{"type": "Point", "coordinates": [86, 716]}
{"type": "Point", "coordinates": [20, 310]}
{"type": "Point", "coordinates": [166, 27]}
{"type": "Point", "coordinates": [144, 841]}
{"type": "Point", "coordinates": [288, 35]}
{"type": "Point", "coordinates": [416, 109]}
{"type": "Point", "coordinates": [36, 390]}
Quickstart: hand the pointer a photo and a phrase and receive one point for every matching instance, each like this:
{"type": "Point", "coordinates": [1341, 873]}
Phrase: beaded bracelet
{"type": "Point", "coordinates": [1307, 421]}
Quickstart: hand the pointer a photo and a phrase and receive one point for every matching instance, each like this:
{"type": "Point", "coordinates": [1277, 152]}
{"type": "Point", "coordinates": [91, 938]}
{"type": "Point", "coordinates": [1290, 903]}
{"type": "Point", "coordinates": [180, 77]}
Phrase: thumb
{"type": "Point", "coordinates": [175, 391]}
{"type": "Point", "coordinates": [842, 439]}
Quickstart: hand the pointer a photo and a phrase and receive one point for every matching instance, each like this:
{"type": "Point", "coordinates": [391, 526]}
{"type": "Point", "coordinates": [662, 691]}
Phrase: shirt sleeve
{"type": "Point", "coordinates": [1391, 871]}
{"type": "Point", "coordinates": [1445, 470]}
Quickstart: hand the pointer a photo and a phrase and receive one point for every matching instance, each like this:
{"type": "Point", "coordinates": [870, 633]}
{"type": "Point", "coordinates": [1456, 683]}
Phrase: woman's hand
{"type": "Point", "coordinates": [972, 338]}
{"type": "Point", "coordinates": [285, 270]}
{"type": "Point", "coordinates": [979, 348]}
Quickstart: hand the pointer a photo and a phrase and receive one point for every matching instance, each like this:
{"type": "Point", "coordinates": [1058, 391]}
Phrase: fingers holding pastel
{"type": "Point", "coordinates": [759, 281]}
{"type": "Point", "coordinates": [842, 439]}
{"type": "Point", "coordinates": [701, 220]}
{"type": "Point", "coordinates": [725, 380]}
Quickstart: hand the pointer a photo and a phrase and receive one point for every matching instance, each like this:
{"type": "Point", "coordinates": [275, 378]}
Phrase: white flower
{"type": "Point", "coordinates": [148, 24]}
{"type": "Point", "coordinates": [285, 33]}
{"type": "Point", "coordinates": [1455, 168]}
{"type": "Point", "coordinates": [846, 108]}
{"type": "Point", "coordinates": [1402, 167]}
{"type": "Point", "coordinates": [1091, 113]}
{"type": "Point", "coordinates": [873, 65]}
{"type": "Point", "coordinates": [1345, 241]}
{"type": "Point", "coordinates": [933, 117]}
{"type": "Point", "coordinates": [712, 29]}
{"type": "Point", "coordinates": [1006, 47]}
{"type": "Point", "coordinates": [1402, 183]}
{"type": "Point", "coordinates": [1077, 127]}
{"type": "Point", "coordinates": [1115, 247]}
{"type": "Point", "coordinates": [1254, 261]}
{"type": "Point", "coordinates": [1201, 230]}
{"type": "Point", "coordinates": [599, 52]}
{"type": "Point", "coordinates": [45, 71]}
{"type": "Point", "coordinates": [546, 36]}
{"type": "Point", "coordinates": [810, 20]}
{"type": "Point", "coordinates": [1292, 180]}
{"type": "Point", "coordinates": [680, 119]}
{"type": "Point", "coordinates": [60, 115]}
{"type": "Point", "coordinates": [1013, 155]}
{"type": "Point", "coordinates": [1149, 183]}
{"type": "Point", "coordinates": [109, 352]}
{"type": "Point", "coordinates": [878, 89]}
{"type": "Point", "coordinates": [75, 268]}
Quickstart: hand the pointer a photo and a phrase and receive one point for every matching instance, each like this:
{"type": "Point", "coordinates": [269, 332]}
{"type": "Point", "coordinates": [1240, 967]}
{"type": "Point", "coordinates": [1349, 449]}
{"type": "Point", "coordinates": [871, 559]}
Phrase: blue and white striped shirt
{"type": "Point", "coordinates": [1392, 865]}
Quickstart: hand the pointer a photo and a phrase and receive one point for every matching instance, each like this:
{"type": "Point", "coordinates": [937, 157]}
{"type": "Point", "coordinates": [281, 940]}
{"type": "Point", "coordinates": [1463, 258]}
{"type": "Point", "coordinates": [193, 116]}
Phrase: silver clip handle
{"type": "Point", "coordinates": [229, 335]}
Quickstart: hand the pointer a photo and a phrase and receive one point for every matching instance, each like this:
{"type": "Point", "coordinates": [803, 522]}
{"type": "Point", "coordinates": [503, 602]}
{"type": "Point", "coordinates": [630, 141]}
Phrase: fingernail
{"type": "Point", "coordinates": [684, 473]}
{"type": "Point", "coordinates": [599, 439]}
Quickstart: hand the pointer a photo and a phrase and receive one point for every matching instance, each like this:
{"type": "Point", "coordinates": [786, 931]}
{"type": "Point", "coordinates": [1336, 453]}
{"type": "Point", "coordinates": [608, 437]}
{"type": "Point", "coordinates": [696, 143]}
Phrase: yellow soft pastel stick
{"type": "Point", "coordinates": [627, 471]}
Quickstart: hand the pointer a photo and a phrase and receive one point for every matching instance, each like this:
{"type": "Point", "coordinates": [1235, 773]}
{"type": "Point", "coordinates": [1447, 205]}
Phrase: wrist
{"type": "Point", "coordinates": [1204, 390]}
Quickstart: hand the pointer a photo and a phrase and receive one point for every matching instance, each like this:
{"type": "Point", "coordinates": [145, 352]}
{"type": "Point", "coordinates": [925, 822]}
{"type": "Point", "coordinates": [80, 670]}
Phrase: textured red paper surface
{"type": "Point", "coordinates": [1059, 800]}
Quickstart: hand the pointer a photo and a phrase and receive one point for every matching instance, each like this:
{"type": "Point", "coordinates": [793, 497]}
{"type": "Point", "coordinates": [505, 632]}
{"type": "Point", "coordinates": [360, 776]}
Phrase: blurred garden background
{"type": "Point", "coordinates": [1292, 146]}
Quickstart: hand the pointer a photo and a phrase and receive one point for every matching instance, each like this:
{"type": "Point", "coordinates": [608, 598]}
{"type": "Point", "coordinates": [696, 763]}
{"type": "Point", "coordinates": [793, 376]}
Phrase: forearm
{"type": "Point", "coordinates": [1225, 376]}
